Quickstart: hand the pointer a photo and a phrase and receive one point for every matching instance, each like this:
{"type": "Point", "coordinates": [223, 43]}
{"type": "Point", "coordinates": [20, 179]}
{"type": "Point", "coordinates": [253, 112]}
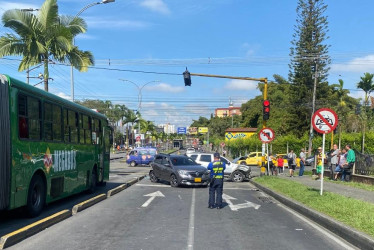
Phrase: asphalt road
{"type": "Point", "coordinates": [120, 172]}
{"type": "Point", "coordinates": [181, 220]}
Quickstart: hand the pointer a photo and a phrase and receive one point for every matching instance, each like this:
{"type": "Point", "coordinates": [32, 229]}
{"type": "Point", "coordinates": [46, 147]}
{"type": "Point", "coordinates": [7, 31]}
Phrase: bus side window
{"type": "Point", "coordinates": [22, 117]}
{"type": "Point", "coordinates": [29, 117]}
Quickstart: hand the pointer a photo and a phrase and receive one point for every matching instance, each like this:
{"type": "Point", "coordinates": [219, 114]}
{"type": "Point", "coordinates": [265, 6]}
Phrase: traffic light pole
{"type": "Point", "coordinates": [264, 80]}
{"type": "Point", "coordinates": [264, 126]}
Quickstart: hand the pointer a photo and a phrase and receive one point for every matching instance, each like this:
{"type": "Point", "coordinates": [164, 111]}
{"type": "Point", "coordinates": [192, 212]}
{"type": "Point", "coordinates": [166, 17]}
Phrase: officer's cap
{"type": "Point", "coordinates": [216, 155]}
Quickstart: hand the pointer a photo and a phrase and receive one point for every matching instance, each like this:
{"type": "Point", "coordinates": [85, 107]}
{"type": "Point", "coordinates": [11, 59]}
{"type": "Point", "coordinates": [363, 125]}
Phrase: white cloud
{"type": "Point", "coordinates": [11, 5]}
{"type": "Point", "coordinates": [199, 109]}
{"type": "Point", "coordinates": [165, 87]}
{"type": "Point", "coordinates": [359, 64]}
{"type": "Point", "coordinates": [241, 85]}
{"type": "Point", "coordinates": [156, 5]}
{"type": "Point", "coordinates": [357, 94]}
{"type": "Point", "coordinates": [63, 95]}
{"type": "Point", "coordinates": [113, 24]}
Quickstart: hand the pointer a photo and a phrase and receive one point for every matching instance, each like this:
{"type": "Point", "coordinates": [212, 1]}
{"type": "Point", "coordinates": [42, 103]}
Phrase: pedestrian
{"type": "Point", "coordinates": [271, 165]}
{"type": "Point", "coordinates": [291, 162]}
{"type": "Point", "coordinates": [348, 166]}
{"type": "Point", "coordinates": [217, 168]}
{"type": "Point", "coordinates": [224, 153]}
{"type": "Point", "coordinates": [320, 167]}
{"type": "Point", "coordinates": [342, 161]}
{"type": "Point", "coordinates": [302, 162]}
{"type": "Point", "coordinates": [280, 164]}
{"type": "Point", "coordinates": [334, 160]}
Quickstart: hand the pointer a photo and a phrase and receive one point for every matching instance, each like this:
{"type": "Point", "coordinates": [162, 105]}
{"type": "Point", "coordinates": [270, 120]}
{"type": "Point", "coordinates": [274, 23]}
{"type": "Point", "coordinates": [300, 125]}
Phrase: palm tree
{"type": "Point", "coordinates": [44, 37]}
{"type": "Point", "coordinates": [147, 126]}
{"type": "Point", "coordinates": [366, 84]}
{"type": "Point", "coordinates": [130, 117]}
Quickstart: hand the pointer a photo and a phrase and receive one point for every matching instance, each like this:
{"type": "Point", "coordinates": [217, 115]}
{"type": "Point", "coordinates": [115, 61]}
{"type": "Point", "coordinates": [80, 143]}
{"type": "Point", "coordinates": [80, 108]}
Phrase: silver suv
{"type": "Point", "coordinates": [234, 172]}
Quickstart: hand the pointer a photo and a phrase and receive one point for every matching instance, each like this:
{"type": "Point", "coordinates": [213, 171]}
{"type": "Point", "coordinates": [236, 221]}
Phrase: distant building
{"type": "Point", "coordinates": [227, 112]}
{"type": "Point", "coordinates": [168, 128]}
{"type": "Point", "coordinates": [239, 133]}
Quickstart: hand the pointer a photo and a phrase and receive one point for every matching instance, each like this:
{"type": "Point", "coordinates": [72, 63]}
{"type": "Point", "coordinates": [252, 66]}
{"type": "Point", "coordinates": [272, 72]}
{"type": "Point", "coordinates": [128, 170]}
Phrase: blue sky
{"type": "Point", "coordinates": [227, 37]}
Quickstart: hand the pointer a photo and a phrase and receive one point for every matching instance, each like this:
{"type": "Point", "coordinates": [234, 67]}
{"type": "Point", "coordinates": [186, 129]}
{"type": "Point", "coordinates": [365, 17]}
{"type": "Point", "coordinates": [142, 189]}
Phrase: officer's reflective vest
{"type": "Point", "coordinates": [217, 171]}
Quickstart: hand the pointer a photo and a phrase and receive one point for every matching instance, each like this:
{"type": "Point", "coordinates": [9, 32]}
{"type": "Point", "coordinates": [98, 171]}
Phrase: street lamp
{"type": "Point", "coordinates": [77, 15]}
{"type": "Point", "coordinates": [140, 88]}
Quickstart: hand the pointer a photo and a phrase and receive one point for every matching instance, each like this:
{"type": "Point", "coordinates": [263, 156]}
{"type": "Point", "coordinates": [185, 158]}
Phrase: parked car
{"type": "Point", "coordinates": [254, 158]}
{"type": "Point", "coordinates": [141, 156]}
{"type": "Point", "coordinates": [178, 170]}
{"type": "Point", "coordinates": [190, 150]}
{"type": "Point", "coordinates": [234, 172]}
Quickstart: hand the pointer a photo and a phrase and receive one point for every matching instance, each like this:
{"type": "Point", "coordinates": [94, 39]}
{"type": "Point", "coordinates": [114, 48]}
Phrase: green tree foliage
{"type": "Point", "coordinates": [309, 57]}
{"type": "Point", "coordinates": [43, 37]}
{"type": "Point", "coordinates": [114, 113]}
{"type": "Point", "coordinates": [366, 84]}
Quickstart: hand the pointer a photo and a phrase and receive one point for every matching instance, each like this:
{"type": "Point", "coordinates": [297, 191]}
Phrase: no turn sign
{"type": "Point", "coordinates": [266, 135]}
{"type": "Point", "coordinates": [324, 120]}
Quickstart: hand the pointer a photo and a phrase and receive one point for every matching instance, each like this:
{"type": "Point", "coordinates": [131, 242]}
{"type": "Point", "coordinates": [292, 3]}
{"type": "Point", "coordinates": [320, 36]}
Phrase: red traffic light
{"type": "Point", "coordinates": [266, 110]}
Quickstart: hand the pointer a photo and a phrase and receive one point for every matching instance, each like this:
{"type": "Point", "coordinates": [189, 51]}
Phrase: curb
{"type": "Point", "coordinates": [116, 190]}
{"type": "Point", "coordinates": [34, 228]}
{"type": "Point", "coordinates": [356, 238]}
{"type": "Point", "coordinates": [88, 203]}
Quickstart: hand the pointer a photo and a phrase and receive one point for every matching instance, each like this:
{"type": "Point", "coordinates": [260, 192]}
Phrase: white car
{"type": "Point", "coordinates": [234, 172]}
{"type": "Point", "coordinates": [190, 151]}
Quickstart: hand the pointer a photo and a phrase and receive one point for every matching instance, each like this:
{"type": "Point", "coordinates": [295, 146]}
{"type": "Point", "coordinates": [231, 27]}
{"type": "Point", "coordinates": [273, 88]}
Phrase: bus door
{"type": "Point", "coordinates": [108, 141]}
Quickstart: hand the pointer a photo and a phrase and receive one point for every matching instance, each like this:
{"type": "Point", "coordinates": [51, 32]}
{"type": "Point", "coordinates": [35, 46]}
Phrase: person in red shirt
{"type": "Point", "coordinates": [280, 162]}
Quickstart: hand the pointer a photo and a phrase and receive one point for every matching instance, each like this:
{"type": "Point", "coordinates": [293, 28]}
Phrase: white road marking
{"type": "Point", "coordinates": [323, 231]}
{"type": "Point", "coordinates": [179, 196]}
{"type": "Point", "coordinates": [191, 226]}
{"type": "Point", "coordinates": [236, 207]}
{"type": "Point", "coordinates": [152, 197]}
{"type": "Point", "coordinates": [152, 185]}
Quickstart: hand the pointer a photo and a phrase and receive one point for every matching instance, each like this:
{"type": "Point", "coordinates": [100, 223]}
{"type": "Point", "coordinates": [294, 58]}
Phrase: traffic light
{"type": "Point", "coordinates": [266, 110]}
{"type": "Point", "coordinates": [187, 78]}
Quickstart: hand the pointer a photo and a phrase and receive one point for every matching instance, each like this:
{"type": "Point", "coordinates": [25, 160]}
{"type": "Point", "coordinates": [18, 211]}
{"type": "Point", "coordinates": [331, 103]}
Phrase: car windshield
{"type": "Point", "coordinates": [179, 161]}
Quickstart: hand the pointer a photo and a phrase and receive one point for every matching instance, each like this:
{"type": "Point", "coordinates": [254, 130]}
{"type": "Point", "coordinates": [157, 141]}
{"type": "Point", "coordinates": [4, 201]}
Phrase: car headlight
{"type": "Point", "coordinates": [182, 172]}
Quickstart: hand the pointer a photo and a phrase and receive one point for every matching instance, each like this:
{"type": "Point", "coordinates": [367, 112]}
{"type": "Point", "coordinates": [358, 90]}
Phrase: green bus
{"type": "Point", "coordinates": [50, 148]}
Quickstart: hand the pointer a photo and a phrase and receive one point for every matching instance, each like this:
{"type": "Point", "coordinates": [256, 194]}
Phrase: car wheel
{"type": "Point", "coordinates": [243, 163]}
{"type": "Point", "coordinates": [36, 196]}
{"type": "Point", "coordinates": [133, 164]}
{"type": "Point", "coordinates": [174, 181]}
{"type": "Point", "coordinates": [153, 177]}
{"type": "Point", "coordinates": [237, 176]}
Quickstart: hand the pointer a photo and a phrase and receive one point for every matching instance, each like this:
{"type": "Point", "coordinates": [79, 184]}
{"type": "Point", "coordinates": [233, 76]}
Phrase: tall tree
{"type": "Point", "coordinates": [366, 84]}
{"type": "Point", "coordinates": [44, 37]}
{"type": "Point", "coordinates": [310, 61]}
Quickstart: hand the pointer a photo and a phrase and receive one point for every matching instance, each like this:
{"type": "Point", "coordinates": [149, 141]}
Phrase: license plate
{"type": "Point", "coordinates": [197, 179]}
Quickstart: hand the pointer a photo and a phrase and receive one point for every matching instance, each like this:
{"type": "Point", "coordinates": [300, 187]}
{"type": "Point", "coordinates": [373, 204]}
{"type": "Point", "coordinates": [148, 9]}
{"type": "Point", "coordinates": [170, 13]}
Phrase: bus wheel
{"type": "Point", "coordinates": [133, 164]}
{"type": "Point", "coordinates": [93, 181]}
{"type": "Point", "coordinates": [36, 196]}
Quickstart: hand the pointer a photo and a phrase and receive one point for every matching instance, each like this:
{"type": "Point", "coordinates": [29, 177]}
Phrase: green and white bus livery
{"type": "Point", "coordinates": [50, 148]}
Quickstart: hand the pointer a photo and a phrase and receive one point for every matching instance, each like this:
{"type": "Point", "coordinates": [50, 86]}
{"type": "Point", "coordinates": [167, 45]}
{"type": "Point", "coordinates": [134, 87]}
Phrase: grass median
{"type": "Point", "coordinates": [355, 213]}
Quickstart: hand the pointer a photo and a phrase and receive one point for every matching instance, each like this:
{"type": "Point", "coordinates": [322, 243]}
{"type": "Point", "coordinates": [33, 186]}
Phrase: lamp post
{"type": "Point", "coordinates": [77, 15]}
{"type": "Point", "coordinates": [140, 88]}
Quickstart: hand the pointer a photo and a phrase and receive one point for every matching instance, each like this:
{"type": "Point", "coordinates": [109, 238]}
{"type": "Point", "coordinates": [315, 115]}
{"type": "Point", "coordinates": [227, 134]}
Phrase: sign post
{"type": "Point", "coordinates": [266, 135]}
{"type": "Point", "coordinates": [324, 121]}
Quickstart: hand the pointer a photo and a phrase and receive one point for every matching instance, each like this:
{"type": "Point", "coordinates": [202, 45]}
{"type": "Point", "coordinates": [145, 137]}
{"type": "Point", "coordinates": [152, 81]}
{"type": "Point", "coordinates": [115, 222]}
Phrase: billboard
{"type": "Point", "coordinates": [192, 130]}
{"type": "Point", "coordinates": [181, 130]}
{"type": "Point", "coordinates": [237, 135]}
{"type": "Point", "coordinates": [203, 130]}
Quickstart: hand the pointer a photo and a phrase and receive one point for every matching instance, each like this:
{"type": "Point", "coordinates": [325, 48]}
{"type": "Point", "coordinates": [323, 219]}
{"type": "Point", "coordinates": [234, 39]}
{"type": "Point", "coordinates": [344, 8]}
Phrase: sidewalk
{"type": "Point", "coordinates": [355, 193]}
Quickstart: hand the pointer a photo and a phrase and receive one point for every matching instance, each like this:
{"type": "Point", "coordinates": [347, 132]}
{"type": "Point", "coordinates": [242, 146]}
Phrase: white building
{"type": "Point", "coordinates": [168, 128]}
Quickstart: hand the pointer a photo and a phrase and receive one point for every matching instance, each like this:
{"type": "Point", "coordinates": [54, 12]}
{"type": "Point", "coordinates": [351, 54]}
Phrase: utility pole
{"type": "Point", "coordinates": [313, 109]}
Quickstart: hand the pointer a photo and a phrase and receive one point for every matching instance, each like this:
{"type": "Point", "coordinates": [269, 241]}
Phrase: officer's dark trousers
{"type": "Point", "coordinates": [216, 187]}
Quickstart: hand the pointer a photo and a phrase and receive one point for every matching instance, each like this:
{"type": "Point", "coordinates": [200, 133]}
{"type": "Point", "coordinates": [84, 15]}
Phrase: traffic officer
{"type": "Point", "coordinates": [217, 167]}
